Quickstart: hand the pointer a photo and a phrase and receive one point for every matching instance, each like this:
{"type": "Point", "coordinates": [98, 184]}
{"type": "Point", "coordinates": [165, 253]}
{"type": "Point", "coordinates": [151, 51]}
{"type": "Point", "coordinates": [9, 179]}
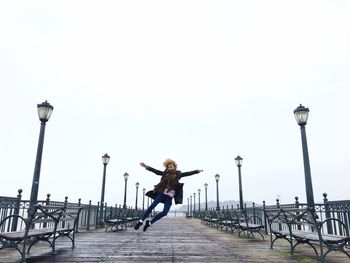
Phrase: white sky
{"type": "Point", "coordinates": [196, 81]}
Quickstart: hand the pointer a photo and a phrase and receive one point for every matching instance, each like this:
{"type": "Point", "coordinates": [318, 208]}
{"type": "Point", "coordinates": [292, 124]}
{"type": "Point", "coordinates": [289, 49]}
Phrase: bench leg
{"type": "Point", "coordinates": [307, 243]}
{"type": "Point", "coordinates": [37, 239]}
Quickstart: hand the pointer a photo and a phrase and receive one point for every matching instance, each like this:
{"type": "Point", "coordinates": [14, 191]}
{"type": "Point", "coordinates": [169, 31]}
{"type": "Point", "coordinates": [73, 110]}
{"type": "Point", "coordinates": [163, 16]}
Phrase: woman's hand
{"type": "Point", "coordinates": [143, 165]}
{"type": "Point", "coordinates": [200, 171]}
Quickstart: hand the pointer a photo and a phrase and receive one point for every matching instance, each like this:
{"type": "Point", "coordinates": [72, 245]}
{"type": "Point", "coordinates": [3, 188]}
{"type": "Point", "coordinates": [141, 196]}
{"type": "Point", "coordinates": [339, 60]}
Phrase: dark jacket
{"type": "Point", "coordinates": [179, 187]}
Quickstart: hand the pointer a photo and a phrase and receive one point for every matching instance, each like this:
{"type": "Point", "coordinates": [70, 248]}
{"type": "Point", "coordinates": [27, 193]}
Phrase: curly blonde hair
{"type": "Point", "coordinates": [169, 161]}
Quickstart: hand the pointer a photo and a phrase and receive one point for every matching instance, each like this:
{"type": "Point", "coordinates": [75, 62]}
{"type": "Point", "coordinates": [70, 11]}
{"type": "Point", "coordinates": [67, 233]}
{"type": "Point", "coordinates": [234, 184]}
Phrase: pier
{"type": "Point", "coordinates": [173, 239]}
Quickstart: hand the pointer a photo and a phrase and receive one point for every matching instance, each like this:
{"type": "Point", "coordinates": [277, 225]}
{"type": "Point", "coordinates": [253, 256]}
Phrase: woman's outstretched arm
{"type": "Point", "coordinates": [191, 173]}
{"type": "Point", "coordinates": [149, 168]}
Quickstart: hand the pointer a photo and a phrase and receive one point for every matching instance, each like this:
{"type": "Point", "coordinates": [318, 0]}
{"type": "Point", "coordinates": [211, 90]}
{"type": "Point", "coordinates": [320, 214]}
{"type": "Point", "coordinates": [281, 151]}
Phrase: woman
{"type": "Point", "coordinates": [164, 192]}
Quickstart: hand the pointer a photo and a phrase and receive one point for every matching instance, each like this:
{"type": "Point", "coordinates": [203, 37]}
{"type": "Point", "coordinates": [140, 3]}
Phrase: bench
{"type": "Point", "coordinates": [302, 226]}
{"type": "Point", "coordinates": [209, 218]}
{"type": "Point", "coordinates": [44, 223]}
{"type": "Point", "coordinates": [236, 220]}
{"type": "Point", "coordinates": [242, 222]}
{"type": "Point", "coordinates": [121, 219]}
{"type": "Point", "coordinates": [117, 221]}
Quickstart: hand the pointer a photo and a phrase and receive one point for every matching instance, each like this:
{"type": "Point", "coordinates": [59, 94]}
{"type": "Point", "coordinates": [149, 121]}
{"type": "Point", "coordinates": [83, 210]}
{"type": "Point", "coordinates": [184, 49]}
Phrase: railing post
{"type": "Point", "coordinates": [254, 213]}
{"type": "Point", "coordinates": [78, 219]}
{"type": "Point", "coordinates": [65, 206]}
{"type": "Point", "coordinates": [105, 212]}
{"type": "Point", "coordinates": [265, 223]}
{"type": "Point", "coordinates": [278, 206]}
{"type": "Point", "coordinates": [88, 217]}
{"type": "Point", "coordinates": [111, 209]}
{"type": "Point", "coordinates": [297, 206]}
{"type": "Point", "coordinates": [47, 202]}
{"type": "Point", "coordinates": [16, 210]}
{"type": "Point", "coordinates": [296, 202]}
{"type": "Point", "coordinates": [327, 213]}
{"type": "Point", "coordinates": [97, 213]}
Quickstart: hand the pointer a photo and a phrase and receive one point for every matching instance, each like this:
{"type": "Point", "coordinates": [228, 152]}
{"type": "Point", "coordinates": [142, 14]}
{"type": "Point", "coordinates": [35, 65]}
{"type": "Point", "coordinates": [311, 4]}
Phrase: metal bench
{"type": "Point", "coordinates": [117, 221]}
{"type": "Point", "coordinates": [247, 224]}
{"type": "Point", "coordinates": [44, 223]}
{"type": "Point", "coordinates": [236, 220]}
{"type": "Point", "coordinates": [121, 219]}
{"type": "Point", "coordinates": [301, 226]}
{"type": "Point", "coordinates": [68, 223]}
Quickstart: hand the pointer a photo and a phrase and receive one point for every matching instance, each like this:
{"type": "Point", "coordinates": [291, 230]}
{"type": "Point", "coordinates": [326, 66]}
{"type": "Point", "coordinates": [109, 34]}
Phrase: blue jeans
{"type": "Point", "coordinates": [167, 204]}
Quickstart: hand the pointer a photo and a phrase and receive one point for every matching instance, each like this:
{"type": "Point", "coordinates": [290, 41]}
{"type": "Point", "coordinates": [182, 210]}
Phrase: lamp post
{"type": "Point", "coordinates": [239, 161]}
{"type": "Point", "coordinates": [126, 176]}
{"type": "Point", "coordinates": [44, 113]}
{"type": "Point", "coordinates": [217, 178]}
{"type": "Point", "coordinates": [143, 198]}
{"type": "Point", "coordinates": [301, 115]}
{"type": "Point", "coordinates": [188, 207]}
{"type": "Point", "coordinates": [137, 190]}
{"type": "Point", "coordinates": [194, 202]}
{"type": "Point", "coordinates": [199, 199]}
{"type": "Point", "coordinates": [191, 205]}
{"type": "Point", "coordinates": [206, 196]}
{"type": "Point", "coordinates": [105, 160]}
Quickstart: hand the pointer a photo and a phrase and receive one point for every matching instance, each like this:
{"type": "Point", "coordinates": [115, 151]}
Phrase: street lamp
{"type": "Point", "coordinates": [191, 205]}
{"type": "Point", "coordinates": [199, 199]}
{"type": "Point", "coordinates": [126, 176]}
{"type": "Point", "coordinates": [44, 113]}
{"type": "Point", "coordinates": [105, 160]}
{"type": "Point", "coordinates": [301, 115]}
{"type": "Point", "coordinates": [194, 202]}
{"type": "Point", "coordinates": [217, 178]}
{"type": "Point", "coordinates": [137, 190]}
{"type": "Point", "coordinates": [188, 207]}
{"type": "Point", "coordinates": [143, 198]}
{"type": "Point", "coordinates": [206, 196]}
{"type": "Point", "coordinates": [239, 161]}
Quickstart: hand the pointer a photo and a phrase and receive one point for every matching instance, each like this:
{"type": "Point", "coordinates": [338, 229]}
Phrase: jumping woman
{"type": "Point", "coordinates": [164, 192]}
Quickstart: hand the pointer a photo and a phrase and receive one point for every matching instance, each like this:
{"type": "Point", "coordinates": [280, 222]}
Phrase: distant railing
{"type": "Point", "coordinates": [175, 213]}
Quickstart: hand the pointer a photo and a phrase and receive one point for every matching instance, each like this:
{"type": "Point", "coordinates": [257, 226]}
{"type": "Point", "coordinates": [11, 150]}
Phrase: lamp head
{"type": "Point", "coordinates": [105, 159]}
{"type": "Point", "coordinates": [126, 176]}
{"type": "Point", "coordinates": [301, 115]}
{"type": "Point", "coordinates": [239, 161]}
{"type": "Point", "coordinates": [44, 111]}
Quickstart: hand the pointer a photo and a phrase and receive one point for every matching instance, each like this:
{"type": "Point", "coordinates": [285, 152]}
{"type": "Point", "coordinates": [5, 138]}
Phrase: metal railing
{"type": "Point", "coordinates": [89, 217]}
{"type": "Point", "coordinates": [328, 209]}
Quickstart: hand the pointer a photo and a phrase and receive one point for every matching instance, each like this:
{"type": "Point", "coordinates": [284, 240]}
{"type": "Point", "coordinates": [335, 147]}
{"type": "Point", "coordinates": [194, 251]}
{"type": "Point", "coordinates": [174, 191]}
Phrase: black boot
{"type": "Point", "coordinates": [138, 224]}
{"type": "Point", "coordinates": [146, 225]}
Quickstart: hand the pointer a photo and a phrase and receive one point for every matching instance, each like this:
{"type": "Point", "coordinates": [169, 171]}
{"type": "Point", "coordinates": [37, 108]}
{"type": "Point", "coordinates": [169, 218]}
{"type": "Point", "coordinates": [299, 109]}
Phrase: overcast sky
{"type": "Point", "coordinates": [196, 81]}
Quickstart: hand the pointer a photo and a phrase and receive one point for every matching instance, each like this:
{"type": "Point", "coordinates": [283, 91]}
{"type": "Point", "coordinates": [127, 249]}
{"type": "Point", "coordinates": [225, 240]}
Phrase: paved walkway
{"type": "Point", "coordinates": [170, 240]}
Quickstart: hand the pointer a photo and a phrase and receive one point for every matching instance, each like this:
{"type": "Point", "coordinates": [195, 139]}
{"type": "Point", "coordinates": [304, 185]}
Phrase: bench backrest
{"type": "Point", "coordinates": [292, 219]}
{"type": "Point", "coordinates": [303, 219]}
{"type": "Point", "coordinates": [70, 217]}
